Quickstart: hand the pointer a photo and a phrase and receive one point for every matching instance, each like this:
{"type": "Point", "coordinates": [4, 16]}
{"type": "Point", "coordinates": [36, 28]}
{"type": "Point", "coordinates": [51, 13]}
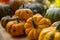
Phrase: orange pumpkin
{"type": "Point", "coordinates": [15, 28]}
{"type": "Point", "coordinates": [24, 14]}
{"type": "Point", "coordinates": [35, 24]}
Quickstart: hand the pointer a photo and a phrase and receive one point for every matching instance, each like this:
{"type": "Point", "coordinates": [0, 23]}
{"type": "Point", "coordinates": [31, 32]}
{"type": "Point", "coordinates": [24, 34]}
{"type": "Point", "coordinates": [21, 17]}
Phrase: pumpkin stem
{"type": "Point", "coordinates": [58, 27]}
{"type": "Point", "coordinates": [12, 19]}
{"type": "Point", "coordinates": [23, 5]}
{"type": "Point", "coordinates": [34, 23]}
{"type": "Point", "coordinates": [17, 20]}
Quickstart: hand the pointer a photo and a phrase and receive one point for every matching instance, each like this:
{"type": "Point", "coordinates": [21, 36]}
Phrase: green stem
{"type": "Point", "coordinates": [34, 23]}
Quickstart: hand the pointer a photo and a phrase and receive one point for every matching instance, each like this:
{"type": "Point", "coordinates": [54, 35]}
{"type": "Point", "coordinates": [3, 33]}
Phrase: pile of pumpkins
{"type": "Point", "coordinates": [9, 9]}
{"type": "Point", "coordinates": [32, 21]}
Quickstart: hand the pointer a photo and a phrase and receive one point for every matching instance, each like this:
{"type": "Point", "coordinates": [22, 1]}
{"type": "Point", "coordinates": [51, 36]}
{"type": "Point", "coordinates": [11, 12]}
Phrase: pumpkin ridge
{"type": "Point", "coordinates": [10, 28]}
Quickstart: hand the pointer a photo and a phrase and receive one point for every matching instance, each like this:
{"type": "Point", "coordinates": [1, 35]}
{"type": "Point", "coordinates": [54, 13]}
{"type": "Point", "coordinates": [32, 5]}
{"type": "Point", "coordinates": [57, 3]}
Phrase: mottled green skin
{"type": "Point", "coordinates": [53, 14]}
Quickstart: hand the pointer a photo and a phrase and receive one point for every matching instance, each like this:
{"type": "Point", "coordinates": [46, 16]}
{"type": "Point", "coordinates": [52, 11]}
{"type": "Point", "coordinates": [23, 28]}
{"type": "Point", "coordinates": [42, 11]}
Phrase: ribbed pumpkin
{"type": "Point", "coordinates": [6, 19]}
{"type": "Point", "coordinates": [52, 1]}
{"type": "Point", "coordinates": [51, 33]}
{"type": "Point", "coordinates": [35, 24]}
{"type": "Point", "coordinates": [53, 14]}
{"type": "Point", "coordinates": [15, 28]}
{"type": "Point", "coordinates": [36, 8]}
{"type": "Point", "coordinates": [23, 14]}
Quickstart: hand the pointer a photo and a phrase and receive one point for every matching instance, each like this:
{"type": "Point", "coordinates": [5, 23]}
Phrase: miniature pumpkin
{"type": "Point", "coordinates": [35, 24]}
{"type": "Point", "coordinates": [51, 33]}
{"type": "Point", "coordinates": [24, 14]}
{"type": "Point", "coordinates": [53, 14]}
{"type": "Point", "coordinates": [6, 19]}
{"type": "Point", "coordinates": [15, 28]}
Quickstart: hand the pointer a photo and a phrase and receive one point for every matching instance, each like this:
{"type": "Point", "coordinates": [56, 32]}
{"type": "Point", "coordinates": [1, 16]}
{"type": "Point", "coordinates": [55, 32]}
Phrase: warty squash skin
{"type": "Point", "coordinates": [35, 24]}
{"type": "Point", "coordinates": [51, 33]}
{"type": "Point", "coordinates": [23, 14]}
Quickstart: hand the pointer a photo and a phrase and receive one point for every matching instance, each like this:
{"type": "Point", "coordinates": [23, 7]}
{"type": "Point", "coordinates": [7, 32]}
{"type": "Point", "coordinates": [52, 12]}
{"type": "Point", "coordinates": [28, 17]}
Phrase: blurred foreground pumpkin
{"type": "Point", "coordinates": [35, 24]}
{"type": "Point", "coordinates": [51, 33]}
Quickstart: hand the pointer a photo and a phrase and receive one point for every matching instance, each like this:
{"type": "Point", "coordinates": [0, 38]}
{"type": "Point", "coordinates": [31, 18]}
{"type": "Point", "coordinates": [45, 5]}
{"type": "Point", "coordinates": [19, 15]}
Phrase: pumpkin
{"type": "Point", "coordinates": [36, 8]}
{"type": "Point", "coordinates": [45, 3]}
{"type": "Point", "coordinates": [35, 24]}
{"type": "Point", "coordinates": [15, 28]}
{"type": "Point", "coordinates": [51, 33]}
{"type": "Point", "coordinates": [53, 14]}
{"type": "Point", "coordinates": [15, 4]}
{"type": "Point", "coordinates": [5, 10]}
{"type": "Point", "coordinates": [6, 19]}
{"type": "Point", "coordinates": [23, 14]}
